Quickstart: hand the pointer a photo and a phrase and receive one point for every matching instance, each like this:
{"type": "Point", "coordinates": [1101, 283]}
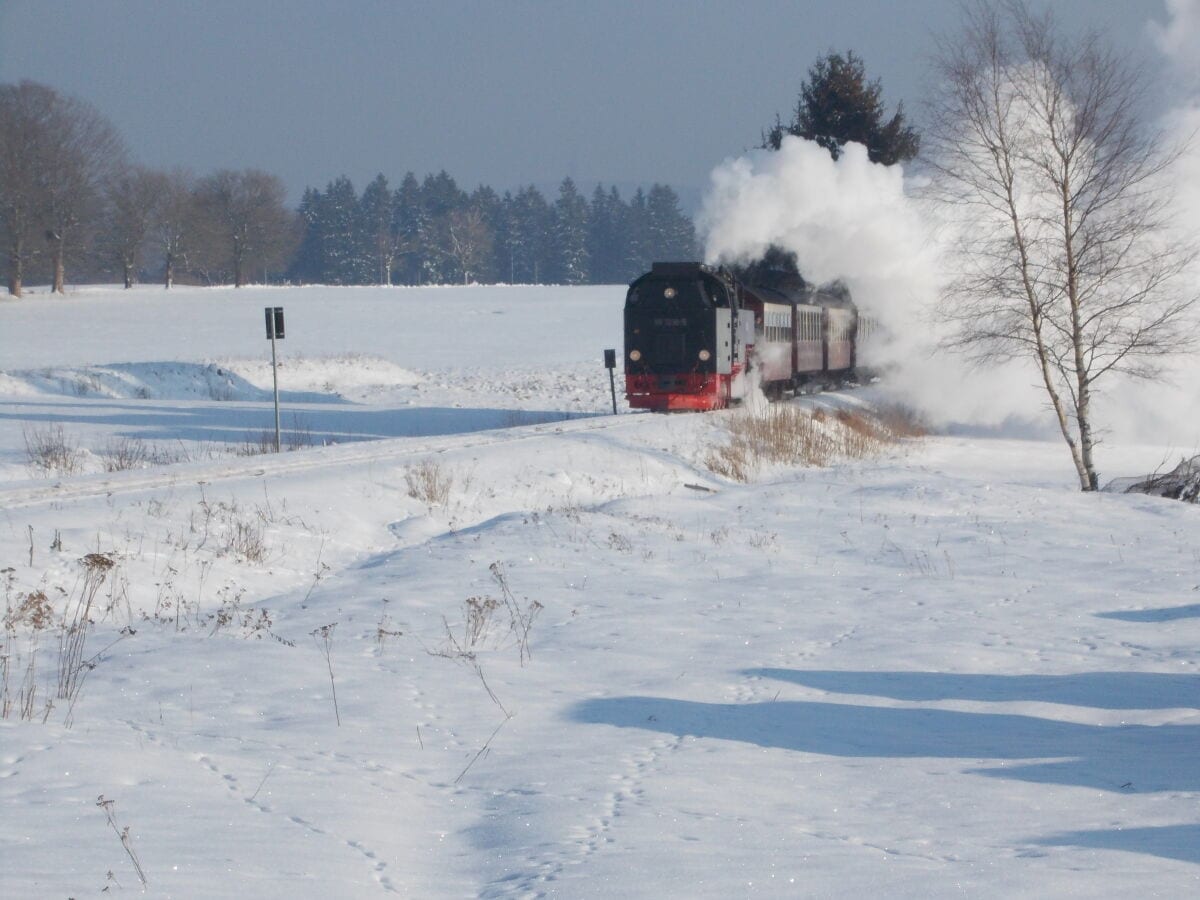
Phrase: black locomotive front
{"type": "Point", "coordinates": [680, 337]}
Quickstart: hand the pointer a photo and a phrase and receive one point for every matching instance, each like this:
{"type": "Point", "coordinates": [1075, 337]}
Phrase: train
{"type": "Point", "coordinates": [699, 337]}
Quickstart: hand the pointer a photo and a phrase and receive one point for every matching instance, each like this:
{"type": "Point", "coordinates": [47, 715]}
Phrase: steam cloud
{"type": "Point", "coordinates": [860, 222]}
{"type": "Point", "coordinates": [865, 224]}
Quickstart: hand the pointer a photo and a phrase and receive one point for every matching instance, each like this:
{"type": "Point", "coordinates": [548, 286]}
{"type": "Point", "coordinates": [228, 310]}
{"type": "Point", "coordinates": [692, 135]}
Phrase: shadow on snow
{"type": "Point", "coordinates": [1181, 842]}
{"type": "Point", "coordinates": [1136, 758]}
{"type": "Point", "coordinates": [1165, 614]}
{"type": "Point", "coordinates": [1099, 690]}
{"type": "Point", "coordinates": [234, 423]}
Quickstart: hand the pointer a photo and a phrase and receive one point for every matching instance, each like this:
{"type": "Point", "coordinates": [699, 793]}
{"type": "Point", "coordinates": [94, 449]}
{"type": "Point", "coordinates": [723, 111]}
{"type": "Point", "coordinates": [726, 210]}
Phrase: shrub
{"type": "Point", "coordinates": [49, 451]}
{"type": "Point", "coordinates": [125, 453]}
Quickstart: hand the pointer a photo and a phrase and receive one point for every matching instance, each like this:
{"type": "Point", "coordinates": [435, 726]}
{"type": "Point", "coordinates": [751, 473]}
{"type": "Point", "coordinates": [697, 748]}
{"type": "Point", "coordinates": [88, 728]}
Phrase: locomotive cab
{"type": "Point", "coordinates": [684, 338]}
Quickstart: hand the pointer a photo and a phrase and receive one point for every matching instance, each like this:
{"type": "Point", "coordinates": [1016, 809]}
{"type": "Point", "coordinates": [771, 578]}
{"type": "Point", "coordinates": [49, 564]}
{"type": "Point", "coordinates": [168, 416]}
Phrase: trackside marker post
{"type": "Point", "coordinates": [610, 363]}
{"type": "Point", "coordinates": [275, 331]}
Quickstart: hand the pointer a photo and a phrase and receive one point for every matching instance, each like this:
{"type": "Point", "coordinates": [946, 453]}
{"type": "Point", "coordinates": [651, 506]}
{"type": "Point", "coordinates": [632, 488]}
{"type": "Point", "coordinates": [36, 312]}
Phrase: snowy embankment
{"type": "Point", "coordinates": [562, 670]}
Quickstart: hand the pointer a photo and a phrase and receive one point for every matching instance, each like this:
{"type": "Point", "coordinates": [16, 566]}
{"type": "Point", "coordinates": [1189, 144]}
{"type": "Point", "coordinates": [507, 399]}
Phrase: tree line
{"type": "Point", "coordinates": [72, 201]}
{"type": "Point", "coordinates": [431, 231]}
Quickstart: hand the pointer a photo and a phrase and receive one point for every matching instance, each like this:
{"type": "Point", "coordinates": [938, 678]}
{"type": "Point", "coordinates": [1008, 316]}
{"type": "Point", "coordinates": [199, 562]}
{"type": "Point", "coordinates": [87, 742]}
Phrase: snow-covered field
{"type": "Point", "coordinates": [567, 671]}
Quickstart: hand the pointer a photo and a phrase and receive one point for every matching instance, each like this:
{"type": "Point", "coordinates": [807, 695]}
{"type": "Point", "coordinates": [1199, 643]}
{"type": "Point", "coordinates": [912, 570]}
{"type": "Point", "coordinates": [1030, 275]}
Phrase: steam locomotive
{"type": "Point", "coordinates": [699, 337]}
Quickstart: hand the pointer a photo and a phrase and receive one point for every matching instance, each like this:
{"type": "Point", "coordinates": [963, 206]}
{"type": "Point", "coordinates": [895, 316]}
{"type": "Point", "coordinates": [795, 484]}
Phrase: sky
{"type": "Point", "coordinates": [498, 93]}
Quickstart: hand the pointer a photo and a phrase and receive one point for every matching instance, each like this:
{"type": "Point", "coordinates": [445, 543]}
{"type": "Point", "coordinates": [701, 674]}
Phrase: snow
{"type": "Point", "coordinates": [940, 672]}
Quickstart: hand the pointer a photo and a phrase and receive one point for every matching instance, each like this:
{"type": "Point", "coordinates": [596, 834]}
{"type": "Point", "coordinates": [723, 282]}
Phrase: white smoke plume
{"type": "Point", "coordinates": [854, 220]}
{"type": "Point", "coordinates": [864, 223]}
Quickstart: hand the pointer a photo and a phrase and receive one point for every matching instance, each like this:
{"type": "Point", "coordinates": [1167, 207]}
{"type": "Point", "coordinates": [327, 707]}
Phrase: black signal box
{"type": "Point", "coordinates": [274, 322]}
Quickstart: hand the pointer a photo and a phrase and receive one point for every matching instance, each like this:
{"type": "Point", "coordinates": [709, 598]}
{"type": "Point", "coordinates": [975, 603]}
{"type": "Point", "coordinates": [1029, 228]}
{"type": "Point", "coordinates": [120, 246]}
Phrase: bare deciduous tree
{"type": "Point", "coordinates": [135, 197]}
{"type": "Point", "coordinates": [56, 155]}
{"type": "Point", "coordinates": [82, 153]}
{"type": "Point", "coordinates": [246, 224]}
{"type": "Point", "coordinates": [174, 223]}
{"type": "Point", "coordinates": [470, 241]}
{"type": "Point", "coordinates": [1057, 193]}
{"type": "Point", "coordinates": [22, 131]}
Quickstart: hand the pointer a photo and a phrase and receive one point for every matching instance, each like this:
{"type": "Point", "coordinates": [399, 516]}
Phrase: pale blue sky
{"type": "Point", "coordinates": [503, 93]}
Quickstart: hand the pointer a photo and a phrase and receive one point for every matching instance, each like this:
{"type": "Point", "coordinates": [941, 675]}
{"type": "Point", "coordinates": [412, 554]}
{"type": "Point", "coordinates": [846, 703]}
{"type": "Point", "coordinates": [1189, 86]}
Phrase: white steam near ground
{"type": "Point", "coordinates": [854, 220]}
{"type": "Point", "coordinates": [865, 224]}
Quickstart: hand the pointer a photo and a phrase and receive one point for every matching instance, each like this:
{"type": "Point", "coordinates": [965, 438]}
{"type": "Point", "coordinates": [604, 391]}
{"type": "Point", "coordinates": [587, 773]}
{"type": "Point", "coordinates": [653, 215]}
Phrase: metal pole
{"type": "Point", "coordinates": [612, 386]}
{"type": "Point", "coordinates": [275, 379]}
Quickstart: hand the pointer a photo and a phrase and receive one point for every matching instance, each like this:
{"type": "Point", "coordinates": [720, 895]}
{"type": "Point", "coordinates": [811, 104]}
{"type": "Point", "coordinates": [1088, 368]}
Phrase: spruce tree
{"type": "Point", "coordinates": [491, 210]}
{"type": "Point", "coordinates": [671, 235]}
{"type": "Point", "coordinates": [342, 242]}
{"type": "Point", "coordinates": [440, 198]}
{"type": "Point", "coordinates": [529, 236]}
{"type": "Point", "coordinates": [604, 238]}
{"type": "Point", "coordinates": [638, 251]}
{"type": "Point", "coordinates": [569, 248]}
{"type": "Point", "coordinates": [378, 245]}
{"type": "Point", "coordinates": [837, 104]}
{"type": "Point", "coordinates": [308, 265]}
{"type": "Point", "coordinates": [410, 223]}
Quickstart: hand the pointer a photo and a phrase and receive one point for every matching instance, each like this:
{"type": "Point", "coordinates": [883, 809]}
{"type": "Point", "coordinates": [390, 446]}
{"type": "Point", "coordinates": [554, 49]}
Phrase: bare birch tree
{"type": "Point", "coordinates": [1057, 193]}
{"type": "Point", "coordinates": [470, 241]}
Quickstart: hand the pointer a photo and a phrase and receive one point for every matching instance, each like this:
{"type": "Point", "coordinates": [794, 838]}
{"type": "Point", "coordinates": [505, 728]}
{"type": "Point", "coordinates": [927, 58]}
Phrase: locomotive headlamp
{"type": "Point", "coordinates": [705, 356]}
{"type": "Point", "coordinates": [669, 293]}
{"type": "Point", "coordinates": [635, 355]}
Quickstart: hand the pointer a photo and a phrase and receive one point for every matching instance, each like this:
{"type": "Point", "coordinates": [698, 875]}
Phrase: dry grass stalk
{"type": "Point", "coordinates": [73, 668]}
{"type": "Point", "coordinates": [789, 435]}
{"type": "Point", "coordinates": [324, 640]}
{"type": "Point", "coordinates": [428, 482]}
{"type": "Point", "coordinates": [520, 620]}
{"type": "Point", "coordinates": [123, 835]}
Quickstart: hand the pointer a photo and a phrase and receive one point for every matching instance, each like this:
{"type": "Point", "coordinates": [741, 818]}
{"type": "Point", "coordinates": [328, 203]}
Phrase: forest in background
{"type": "Point", "coordinates": [75, 207]}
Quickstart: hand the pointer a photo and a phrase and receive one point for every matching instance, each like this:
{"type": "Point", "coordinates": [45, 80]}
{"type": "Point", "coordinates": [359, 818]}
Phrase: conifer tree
{"type": "Point", "coordinates": [529, 236]}
{"type": "Point", "coordinates": [308, 265]}
{"type": "Point", "coordinates": [569, 236]}
{"type": "Point", "coordinates": [638, 251]}
{"type": "Point", "coordinates": [604, 236]}
{"type": "Point", "coordinates": [378, 239]}
{"type": "Point", "coordinates": [341, 234]}
{"type": "Point", "coordinates": [440, 198]}
{"type": "Point", "coordinates": [491, 212]}
{"type": "Point", "coordinates": [671, 234]}
{"type": "Point", "coordinates": [410, 224]}
{"type": "Point", "coordinates": [837, 104]}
